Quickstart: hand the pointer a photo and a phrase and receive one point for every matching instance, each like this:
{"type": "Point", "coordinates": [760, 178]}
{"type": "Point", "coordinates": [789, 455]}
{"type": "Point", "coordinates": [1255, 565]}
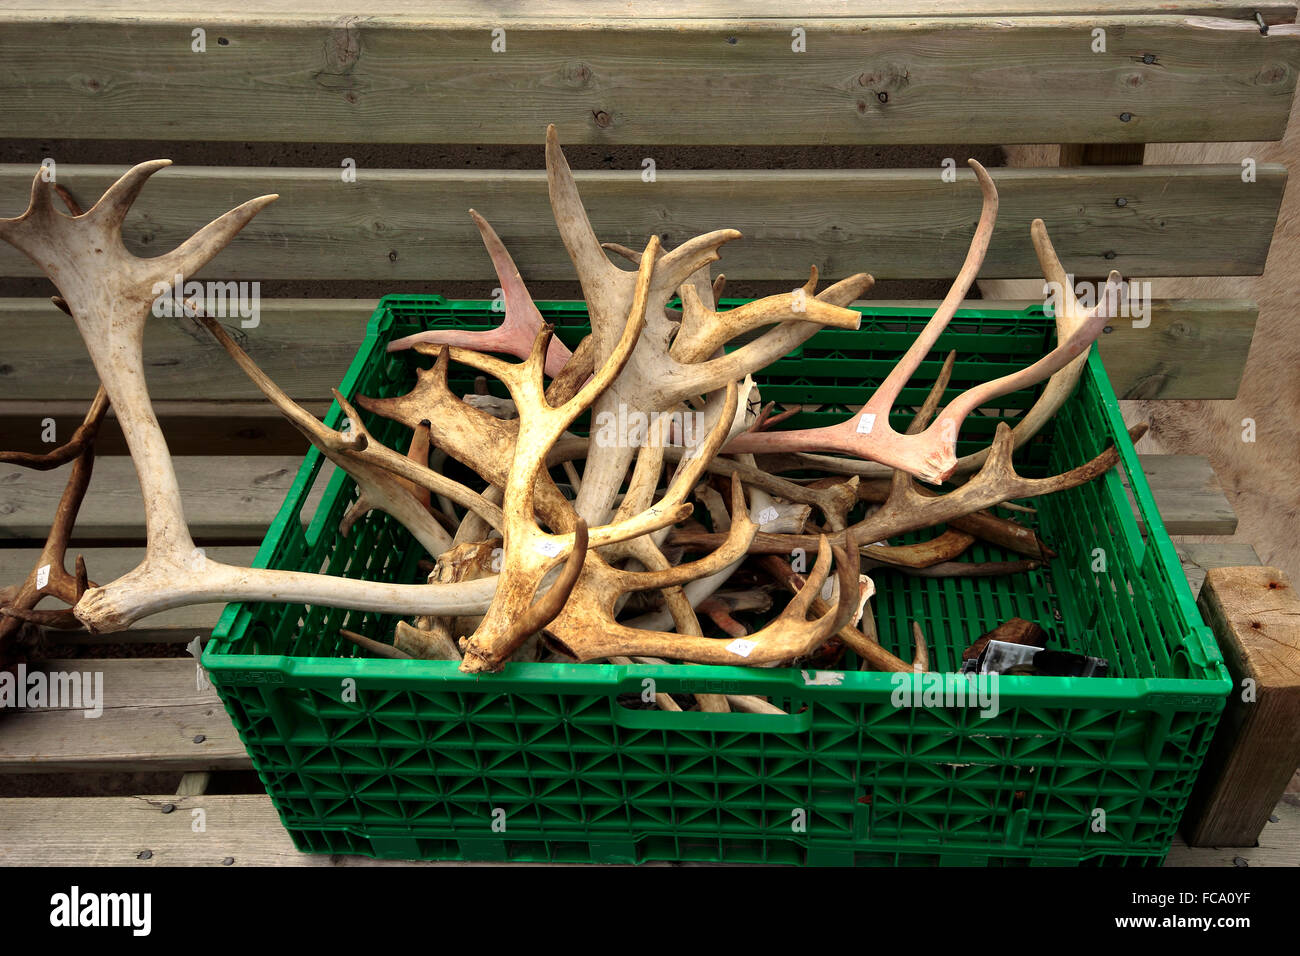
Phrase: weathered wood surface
{"type": "Point", "coordinates": [1198, 557]}
{"type": "Point", "coordinates": [324, 12]}
{"type": "Point", "coordinates": [894, 223]}
{"type": "Point", "coordinates": [435, 78]}
{"type": "Point", "coordinates": [1193, 348]}
{"type": "Point", "coordinates": [1256, 619]}
{"type": "Point", "coordinates": [191, 428]}
{"type": "Point", "coordinates": [156, 716]}
{"type": "Point", "coordinates": [1279, 845]}
{"type": "Point", "coordinates": [226, 499]}
{"type": "Point", "coordinates": [179, 625]}
{"type": "Point", "coordinates": [1188, 495]}
{"type": "Point", "coordinates": [244, 830]}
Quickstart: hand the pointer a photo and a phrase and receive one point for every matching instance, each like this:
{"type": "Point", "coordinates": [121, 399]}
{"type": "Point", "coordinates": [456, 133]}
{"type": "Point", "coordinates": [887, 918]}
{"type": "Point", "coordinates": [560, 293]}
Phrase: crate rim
{"type": "Point", "coordinates": [1198, 693]}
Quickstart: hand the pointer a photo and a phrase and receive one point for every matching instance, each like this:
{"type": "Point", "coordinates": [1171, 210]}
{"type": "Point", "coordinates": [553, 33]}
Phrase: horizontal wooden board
{"type": "Point", "coordinates": [1198, 557]}
{"type": "Point", "coordinates": [655, 80]}
{"type": "Point", "coordinates": [894, 223]}
{"type": "Point", "coordinates": [239, 830]}
{"type": "Point", "coordinates": [244, 830]}
{"type": "Point", "coordinates": [155, 717]}
{"type": "Point", "coordinates": [236, 498]}
{"type": "Point", "coordinates": [227, 11]}
{"type": "Point", "coordinates": [1191, 349]}
{"type": "Point", "coordinates": [179, 625]}
{"type": "Point", "coordinates": [1188, 495]}
{"type": "Point", "coordinates": [191, 428]}
{"type": "Point", "coordinates": [226, 499]}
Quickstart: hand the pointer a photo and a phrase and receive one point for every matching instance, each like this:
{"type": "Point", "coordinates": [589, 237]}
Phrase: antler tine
{"type": "Point", "coordinates": [117, 200]}
{"type": "Point", "coordinates": [802, 600]}
{"type": "Point", "coordinates": [685, 261]}
{"type": "Point", "coordinates": [848, 289]}
{"type": "Point", "coordinates": [930, 454]}
{"type": "Point", "coordinates": [1075, 345]}
{"type": "Point", "coordinates": [70, 449]}
{"type": "Point", "coordinates": [705, 330]}
{"type": "Point", "coordinates": [20, 605]}
{"type": "Point", "coordinates": [594, 270]}
{"type": "Point", "coordinates": [371, 464]}
{"type": "Point", "coordinates": [519, 325]}
{"type": "Point", "coordinates": [733, 547]}
{"type": "Point", "coordinates": [1071, 316]}
{"type": "Point", "coordinates": [691, 256]}
{"type": "Point", "coordinates": [899, 375]}
{"type": "Point", "coordinates": [40, 210]}
{"type": "Point", "coordinates": [606, 374]}
{"type": "Point", "coordinates": [545, 608]}
{"type": "Point", "coordinates": [196, 251]}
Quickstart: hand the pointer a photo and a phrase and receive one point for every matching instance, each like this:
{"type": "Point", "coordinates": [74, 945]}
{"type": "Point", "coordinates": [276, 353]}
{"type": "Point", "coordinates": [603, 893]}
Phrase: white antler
{"type": "Point", "coordinates": [110, 293]}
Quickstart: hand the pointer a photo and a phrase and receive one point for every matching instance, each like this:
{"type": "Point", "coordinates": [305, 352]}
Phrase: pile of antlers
{"type": "Point", "coordinates": [574, 548]}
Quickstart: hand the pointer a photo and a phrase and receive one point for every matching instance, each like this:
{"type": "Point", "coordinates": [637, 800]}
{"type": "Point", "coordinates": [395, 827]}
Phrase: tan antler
{"type": "Point", "coordinates": [531, 552]}
{"type": "Point", "coordinates": [655, 378]}
{"type": "Point", "coordinates": [930, 454]}
{"type": "Point", "coordinates": [587, 630]}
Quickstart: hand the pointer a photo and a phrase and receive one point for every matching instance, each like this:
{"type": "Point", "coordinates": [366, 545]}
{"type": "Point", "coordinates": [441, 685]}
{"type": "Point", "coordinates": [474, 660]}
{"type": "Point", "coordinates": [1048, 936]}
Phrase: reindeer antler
{"type": "Point", "coordinates": [519, 326]}
{"type": "Point", "coordinates": [930, 454]}
{"type": "Point", "coordinates": [49, 576]}
{"type": "Point", "coordinates": [110, 293]}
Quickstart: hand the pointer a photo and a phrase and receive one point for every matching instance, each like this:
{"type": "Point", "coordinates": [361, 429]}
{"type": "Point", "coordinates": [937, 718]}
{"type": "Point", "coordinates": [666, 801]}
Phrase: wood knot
{"type": "Point", "coordinates": [1270, 75]}
{"type": "Point", "coordinates": [602, 119]}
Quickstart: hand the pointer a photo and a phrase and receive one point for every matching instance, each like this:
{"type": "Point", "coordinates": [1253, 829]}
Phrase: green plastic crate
{"type": "Point", "coordinates": [424, 762]}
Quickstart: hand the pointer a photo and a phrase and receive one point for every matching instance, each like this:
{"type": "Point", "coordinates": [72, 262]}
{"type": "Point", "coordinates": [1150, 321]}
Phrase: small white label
{"type": "Point", "coordinates": [741, 647]}
{"type": "Point", "coordinates": [866, 423]}
{"type": "Point", "coordinates": [768, 515]}
{"type": "Point", "coordinates": [823, 678]}
{"type": "Point", "coordinates": [549, 548]}
{"type": "Point", "coordinates": [42, 576]}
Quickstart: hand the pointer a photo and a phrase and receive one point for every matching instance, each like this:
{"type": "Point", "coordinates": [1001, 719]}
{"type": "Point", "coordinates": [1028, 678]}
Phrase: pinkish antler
{"type": "Point", "coordinates": [520, 325]}
{"type": "Point", "coordinates": [930, 455]}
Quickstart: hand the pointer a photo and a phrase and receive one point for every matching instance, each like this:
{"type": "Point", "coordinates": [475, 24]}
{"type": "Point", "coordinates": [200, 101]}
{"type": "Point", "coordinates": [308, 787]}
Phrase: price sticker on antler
{"type": "Point", "coordinates": [768, 515]}
{"type": "Point", "coordinates": [866, 422]}
{"type": "Point", "coordinates": [42, 576]}
{"type": "Point", "coordinates": [741, 647]}
{"type": "Point", "coordinates": [549, 548]}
